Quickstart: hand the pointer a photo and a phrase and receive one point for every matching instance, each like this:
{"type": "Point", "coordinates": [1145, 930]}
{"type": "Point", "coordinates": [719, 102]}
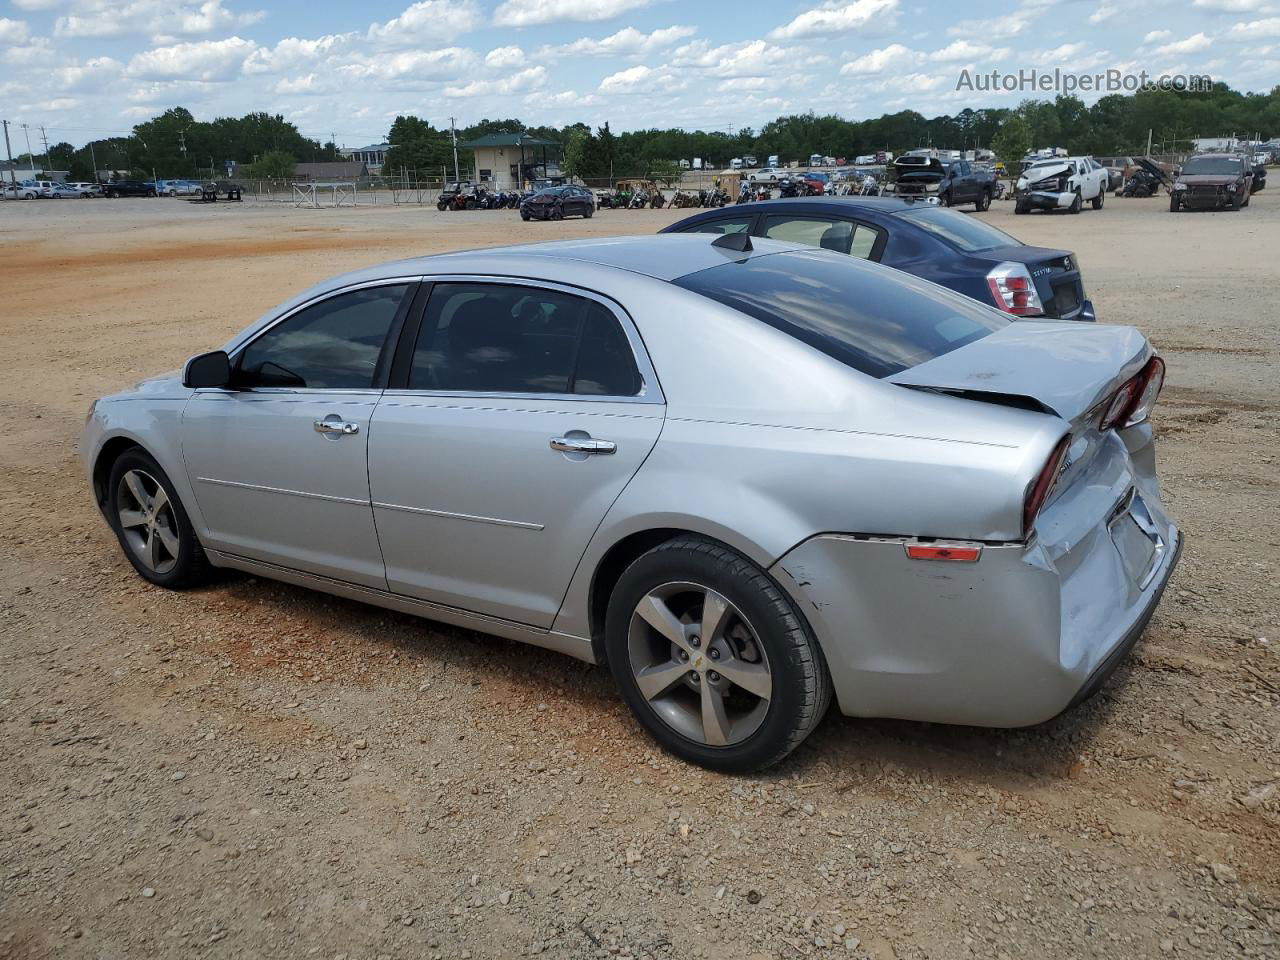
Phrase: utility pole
{"type": "Point", "coordinates": [26, 132]}
{"type": "Point", "coordinates": [93, 158]}
{"type": "Point", "coordinates": [453, 134]}
{"type": "Point", "coordinates": [1148, 141]}
{"type": "Point", "coordinates": [8, 152]}
{"type": "Point", "coordinates": [48, 160]}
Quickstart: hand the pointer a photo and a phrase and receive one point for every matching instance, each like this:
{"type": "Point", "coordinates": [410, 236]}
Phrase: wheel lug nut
{"type": "Point", "coordinates": [693, 675]}
{"type": "Point", "coordinates": [713, 653]}
{"type": "Point", "coordinates": [683, 655]}
{"type": "Point", "coordinates": [713, 676]}
{"type": "Point", "coordinates": [695, 641]}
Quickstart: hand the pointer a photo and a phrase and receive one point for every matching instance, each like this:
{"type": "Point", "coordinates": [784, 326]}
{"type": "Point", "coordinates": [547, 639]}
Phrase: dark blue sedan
{"type": "Point", "coordinates": [950, 248]}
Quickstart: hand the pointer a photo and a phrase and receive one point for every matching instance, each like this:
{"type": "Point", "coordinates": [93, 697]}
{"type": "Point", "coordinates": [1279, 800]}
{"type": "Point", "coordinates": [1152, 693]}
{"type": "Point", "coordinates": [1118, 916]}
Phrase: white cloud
{"type": "Point", "coordinates": [565, 98]}
{"type": "Point", "coordinates": [961, 50]}
{"type": "Point", "coordinates": [1256, 29]}
{"type": "Point", "coordinates": [642, 79]}
{"type": "Point", "coordinates": [626, 42]}
{"type": "Point", "coordinates": [90, 75]}
{"type": "Point", "coordinates": [1067, 53]}
{"type": "Point", "coordinates": [412, 65]}
{"type": "Point", "coordinates": [749, 59]}
{"type": "Point", "coordinates": [880, 60]}
{"type": "Point", "coordinates": [205, 60]}
{"type": "Point", "coordinates": [1104, 12]}
{"type": "Point", "coordinates": [105, 18]}
{"type": "Point", "coordinates": [13, 31]}
{"type": "Point", "coordinates": [530, 13]}
{"type": "Point", "coordinates": [1191, 44]}
{"type": "Point", "coordinates": [426, 21]}
{"type": "Point", "coordinates": [1232, 6]}
{"type": "Point", "coordinates": [292, 53]}
{"type": "Point", "coordinates": [1155, 36]}
{"type": "Point", "coordinates": [35, 4]}
{"type": "Point", "coordinates": [501, 57]}
{"type": "Point", "coordinates": [527, 79]}
{"type": "Point", "coordinates": [835, 18]}
{"type": "Point", "coordinates": [302, 84]}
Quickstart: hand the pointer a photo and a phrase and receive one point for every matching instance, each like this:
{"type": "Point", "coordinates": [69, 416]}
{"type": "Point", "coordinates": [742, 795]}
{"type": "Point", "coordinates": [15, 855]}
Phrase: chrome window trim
{"type": "Point", "coordinates": [650, 389]}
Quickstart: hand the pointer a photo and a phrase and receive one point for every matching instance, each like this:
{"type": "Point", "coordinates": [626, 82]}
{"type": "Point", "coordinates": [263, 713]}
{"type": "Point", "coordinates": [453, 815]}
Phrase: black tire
{"type": "Point", "coordinates": [151, 193]}
{"type": "Point", "coordinates": [442, 206]}
{"type": "Point", "coordinates": [1076, 203]}
{"type": "Point", "coordinates": [588, 212]}
{"type": "Point", "coordinates": [1175, 204]}
{"type": "Point", "coordinates": [1246, 200]}
{"type": "Point", "coordinates": [191, 567]}
{"type": "Point", "coordinates": [1099, 200]}
{"type": "Point", "coordinates": [944, 199]}
{"type": "Point", "coordinates": [983, 203]}
{"type": "Point", "coordinates": [557, 212]}
{"type": "Point", "coordinates": [1020, 207]}
{"type": "Point", "coordinates": [801, 684]}
{"type": "Point", "coordinates": [525, 215]}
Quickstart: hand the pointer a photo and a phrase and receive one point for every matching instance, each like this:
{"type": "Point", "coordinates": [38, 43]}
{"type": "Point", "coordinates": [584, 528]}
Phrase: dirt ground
{"type": "Point", "coordinates": [254, 770]}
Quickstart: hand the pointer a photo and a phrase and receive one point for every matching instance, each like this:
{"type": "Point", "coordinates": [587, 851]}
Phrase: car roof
{"type": "Point", "coordinates": [869, 207]}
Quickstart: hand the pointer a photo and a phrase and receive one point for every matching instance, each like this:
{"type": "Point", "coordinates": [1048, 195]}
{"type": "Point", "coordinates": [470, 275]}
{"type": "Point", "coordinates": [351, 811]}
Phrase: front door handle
{"type": "Point", "coordinates": [344, 427]}
{"type": "Point", "coordinates": [583, 445]}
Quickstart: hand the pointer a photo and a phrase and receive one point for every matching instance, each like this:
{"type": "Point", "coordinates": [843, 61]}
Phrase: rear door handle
{"type": "Point", "coordinates": [583, 445]}
{"type": "Point", "coordinates": [344, 427]}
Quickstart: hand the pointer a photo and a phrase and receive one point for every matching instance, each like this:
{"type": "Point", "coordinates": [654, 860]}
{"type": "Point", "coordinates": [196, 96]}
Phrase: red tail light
{"type": "Point", "coordinates": [1013, 290]}
{"type": "Point", "coordinates": [1039, 490]}
{"type": "Point", "coordinates": [1132, 403]}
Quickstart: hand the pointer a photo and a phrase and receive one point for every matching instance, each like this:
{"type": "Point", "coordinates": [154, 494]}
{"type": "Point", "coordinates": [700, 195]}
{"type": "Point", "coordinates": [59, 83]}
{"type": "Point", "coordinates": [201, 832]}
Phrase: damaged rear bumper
{"type": "Point", "coordinates": [1011, 640]}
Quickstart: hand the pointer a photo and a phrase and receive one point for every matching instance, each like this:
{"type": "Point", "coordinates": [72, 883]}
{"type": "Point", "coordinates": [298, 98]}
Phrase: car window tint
{"type": "Point", "coordinates": [501, 338]}
{"type": "Point", "coordinates": [334, 344]}
{"type": "Point", "coordinates": [827, 233]}
{"type": "Point", "coordinates": [961, 231]}
{"type": "Point", "coordinates": [728, 225]}
{"type": "Point", "coordinates": [875, 320]}
{"type": "Point", "coordinates": [606, 366]}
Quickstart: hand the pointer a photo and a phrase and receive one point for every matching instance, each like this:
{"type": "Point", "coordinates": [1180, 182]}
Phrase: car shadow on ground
{"type": "Point", "coordinates": [842, 748]}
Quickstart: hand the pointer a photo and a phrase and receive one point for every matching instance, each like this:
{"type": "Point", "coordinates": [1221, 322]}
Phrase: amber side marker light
{"type": "Point", "coordinates": [921, 551]}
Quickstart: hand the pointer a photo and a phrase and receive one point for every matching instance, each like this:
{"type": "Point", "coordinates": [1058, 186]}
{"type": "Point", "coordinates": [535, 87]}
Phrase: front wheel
{"type": "Point", "coordinates": [557, 213]}
{"type": "Point", "coordinates": [1175, 203]}
{"type": "Point", "coordinates": [151, 524]}
{"type": "Point", "coordinates": [1020, 207]}
{"type": "Point", "coordinates": [524, 215]}
{"type": "Point", "coordinates": [151, 193]}
{"type": "Point", "coordinates": [944, 199]}
{"type": "Point", "coordinates": [713, 658]}
{"type": "Point", "coordinates": [1076, 203]}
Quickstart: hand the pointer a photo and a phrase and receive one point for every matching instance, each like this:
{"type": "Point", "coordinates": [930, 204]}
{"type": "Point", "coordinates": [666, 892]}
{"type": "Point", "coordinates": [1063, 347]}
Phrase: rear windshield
{"type": "Point", "coordinates": [963, 232]}
{"type": "Point", "coordinates": [1213, 166]}
{"type": "Point", "coordinates": [872, 318]}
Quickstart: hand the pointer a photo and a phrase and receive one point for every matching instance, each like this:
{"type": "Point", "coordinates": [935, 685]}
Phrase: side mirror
{"type": "Point", "coordinates": [207, 370]}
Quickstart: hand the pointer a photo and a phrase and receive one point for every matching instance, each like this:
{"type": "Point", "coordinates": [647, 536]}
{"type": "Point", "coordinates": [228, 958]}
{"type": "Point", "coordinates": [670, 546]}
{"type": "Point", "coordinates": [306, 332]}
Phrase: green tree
{"type": "Point", "coordinates": [1012, 140]}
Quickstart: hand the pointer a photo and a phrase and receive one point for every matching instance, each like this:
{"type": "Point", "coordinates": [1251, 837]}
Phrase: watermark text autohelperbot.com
{"type": "Point", "coordinates": [1032, 80]}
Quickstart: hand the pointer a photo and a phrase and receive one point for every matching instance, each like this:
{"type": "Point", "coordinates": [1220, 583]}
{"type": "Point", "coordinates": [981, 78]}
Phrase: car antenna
{"type": "Point", "coordinates": [733, 241]}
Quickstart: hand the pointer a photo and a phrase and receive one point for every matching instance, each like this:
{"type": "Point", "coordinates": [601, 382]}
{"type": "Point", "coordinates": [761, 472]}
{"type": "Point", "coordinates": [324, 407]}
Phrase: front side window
{"type": "Point", "coordinates": [500, 338]}
{"type": "Point", "coordinates": [331, 345]}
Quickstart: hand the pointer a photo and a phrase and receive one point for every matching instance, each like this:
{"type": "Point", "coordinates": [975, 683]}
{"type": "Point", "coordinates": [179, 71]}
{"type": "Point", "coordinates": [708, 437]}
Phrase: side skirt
{"type": "Point", "coordinates": [576, 647]}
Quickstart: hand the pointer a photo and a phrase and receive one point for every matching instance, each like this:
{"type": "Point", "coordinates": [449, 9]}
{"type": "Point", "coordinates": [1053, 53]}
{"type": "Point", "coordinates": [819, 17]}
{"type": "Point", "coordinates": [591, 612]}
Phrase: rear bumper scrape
{"type": "Point", "coordinates": [1012, 640]}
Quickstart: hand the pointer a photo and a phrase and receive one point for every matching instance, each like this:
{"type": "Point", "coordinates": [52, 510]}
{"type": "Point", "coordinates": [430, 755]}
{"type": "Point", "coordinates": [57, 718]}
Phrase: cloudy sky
{"type": "Point", "coordinates": [92, 68]}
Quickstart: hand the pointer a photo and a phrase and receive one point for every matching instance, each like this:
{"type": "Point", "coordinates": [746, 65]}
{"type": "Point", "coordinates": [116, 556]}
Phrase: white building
{"type": "Point", "coordinates": [371, 156]}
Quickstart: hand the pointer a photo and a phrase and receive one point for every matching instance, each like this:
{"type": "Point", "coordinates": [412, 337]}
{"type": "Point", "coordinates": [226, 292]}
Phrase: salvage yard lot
{"type": "Point", "coordinates": [256, 770]}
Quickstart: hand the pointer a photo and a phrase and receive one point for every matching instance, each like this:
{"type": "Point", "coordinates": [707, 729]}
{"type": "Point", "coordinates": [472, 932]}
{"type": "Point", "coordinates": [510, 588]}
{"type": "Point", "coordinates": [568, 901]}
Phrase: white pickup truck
{"type": "Point", "coordinates": [1061, 183]}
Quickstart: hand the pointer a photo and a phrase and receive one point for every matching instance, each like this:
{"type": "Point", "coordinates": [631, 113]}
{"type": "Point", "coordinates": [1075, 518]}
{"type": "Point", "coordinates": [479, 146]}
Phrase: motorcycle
{"type": "Point", "coordinates": [639, 200]}
{"type": "Point", "coordinates": [788, 188]}
{"type": "Point", "coordinates": [744, 193]}
{"type": "Point", "coordinates": [658, 201]}
{"type": "Point", "coordinates": [762, 193]}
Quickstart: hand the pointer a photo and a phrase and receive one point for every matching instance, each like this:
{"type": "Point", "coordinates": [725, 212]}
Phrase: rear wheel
{"type": "Point", "coordinates": [152, 525]}
{"type": "Point", "coordinates": [983, 202]}
{"type": "Point", "coordinates": [588, 211]}
{"type": "Point", "coordinates": [713, 658]}
{"type": "Point", "coordinates": [1099, 199]}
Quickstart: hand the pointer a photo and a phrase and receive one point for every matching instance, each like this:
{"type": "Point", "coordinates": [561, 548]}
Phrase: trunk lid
{"type": "Point", "coordinates": [1063, 368]}
{"type": "Point", "coordinates": [1055, 273]}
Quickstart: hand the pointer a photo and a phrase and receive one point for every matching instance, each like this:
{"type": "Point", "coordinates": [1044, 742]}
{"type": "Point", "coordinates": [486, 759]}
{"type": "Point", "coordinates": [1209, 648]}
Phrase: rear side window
{"type": "Point", "coordinates": [506, 338]}
{"type": "Point", "coordinates": [875, 320]}
{"type": "Point", "coordinates": [963, 232]}
{"type": "Point", "coordinates": [331, 345]}
{"type": "Point", "coordinates": [829, 234]}
{"type": "Point", "coordinates": [727, 225]}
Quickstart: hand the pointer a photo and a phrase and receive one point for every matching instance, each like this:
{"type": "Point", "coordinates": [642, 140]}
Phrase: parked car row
{"type": "Point", "coordinates": [54, 190]}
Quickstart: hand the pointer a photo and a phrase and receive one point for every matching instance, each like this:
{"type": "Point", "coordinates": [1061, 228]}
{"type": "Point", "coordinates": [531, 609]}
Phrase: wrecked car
{"type": "Point", "coordinates": [1212, 182]}
{"type": "Point", "coordinates": [1061, 183]}
{"type": "Point", "coordinates": [951, 183]}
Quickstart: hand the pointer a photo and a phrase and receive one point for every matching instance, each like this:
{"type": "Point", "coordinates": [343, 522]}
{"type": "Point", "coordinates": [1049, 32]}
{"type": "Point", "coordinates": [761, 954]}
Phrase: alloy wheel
{"type": "Point", "coordinates": [699, 664]}
{"type": "Point", "coordinates": [147, 521]}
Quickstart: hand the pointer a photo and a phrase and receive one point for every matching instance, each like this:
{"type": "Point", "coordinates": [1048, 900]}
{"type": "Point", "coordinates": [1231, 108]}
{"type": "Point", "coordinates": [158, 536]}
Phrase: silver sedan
{"type": "Point", "coordinates": [749, 476]}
